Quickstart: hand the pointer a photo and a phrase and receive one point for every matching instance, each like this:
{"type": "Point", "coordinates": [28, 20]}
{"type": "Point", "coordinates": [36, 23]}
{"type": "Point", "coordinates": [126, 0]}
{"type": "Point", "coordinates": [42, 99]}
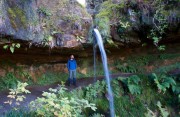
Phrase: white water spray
{"type": "Point", "coordinates": [105, 65]}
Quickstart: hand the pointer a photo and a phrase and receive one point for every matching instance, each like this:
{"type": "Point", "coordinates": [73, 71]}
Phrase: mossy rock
{"type": "Point", "coordinates": [17, 17]}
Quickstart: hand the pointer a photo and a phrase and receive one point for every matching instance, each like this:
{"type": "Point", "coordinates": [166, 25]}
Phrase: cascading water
{"type": "Point", "coordinates": [105, 65]}
{"type": "Point", "coordinates": [94, 50]}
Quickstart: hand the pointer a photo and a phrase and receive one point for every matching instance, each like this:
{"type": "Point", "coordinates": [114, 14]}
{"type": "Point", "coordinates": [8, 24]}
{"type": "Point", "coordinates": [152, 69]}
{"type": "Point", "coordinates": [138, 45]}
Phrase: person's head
{"type": "Point", "coordinates": [72, 56]}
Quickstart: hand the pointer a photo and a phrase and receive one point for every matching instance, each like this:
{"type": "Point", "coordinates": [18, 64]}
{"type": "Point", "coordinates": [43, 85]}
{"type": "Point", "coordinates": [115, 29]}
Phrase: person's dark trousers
{"type": "Point", "coordinates": [72, 77]}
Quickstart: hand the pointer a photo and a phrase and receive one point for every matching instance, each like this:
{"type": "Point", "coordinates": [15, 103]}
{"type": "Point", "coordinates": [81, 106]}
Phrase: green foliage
{"type": "Point", "coordinates": [103, 19]}
{"type": "Point", "coordinates": [26, 75]}
{"type": "Point", "coordinates": [160, 24]}
{"type": "Point", "coordinates": [124, 107]}
{"type": "Point", "coordinates": [132, 83]}
{"type": "Point", "coordinates": [17, 93]}
{"type": "Point", "coordinates": [168, 56]}
{"type": "Point", "coordinates": [47, 41]}
{"type": "Point", "coordinates": [102, 104]}
{"type": "Point", "coordinates": [150, 113]}
{"type": "Point", "coordinates": [162, 47]}
{"type": "Point", "coordinates": [124, 24]}
{"type": "Point", "coordinates": [117, 89]}
{"type": "Point", "coordinates": [154, 35]}
{"type": "Point", "coordinates": [55, 103]}
{"type": "Point", "coordinates": [79, 93]}
{"type": "Point", "coordinates": [79, 38]}
{"type": "Point", "coordinates": [97, 115]}
{"type": "Point", "coordinates": [163, 82]}
{"type": "Point", "coordinates": [95, 90]}
{"type": "Point", "coordinates": [133, 63]}
{"type": "Point", "coordinates": [12, 46]}
{"type": "Point", "coordinates": [176, 88]}
{"type": "Point", "coordinates": [8, 81]}
{"type": "Point", "coordinates": [127, 69]}
{"type": "Point", "coordinates": [107, 9]}
{"type": "Point", "coordinates": [87, 65]}
{"type": "Point", "coordinates": [112, 43]}
{"type": "Point", "coordinates": [168, 68]}
{"type": "Point", "coordinates": [50, 78]}
{"type": "Point", "coordinates": [163, 111]}
{"type": "Point", "coordinates": [17, 17]}
{"type": "Point", "coordinates": [103, 27]}
{"type": "Point", "coordinates": [122, 27]}
{"type": "Point", "coordinates": [70, 18]}
{"type": "Point", "coordinates": [20, 113]}
{"type": "Point", "coordinates": [43, 10]}
{"type": "Point", "coordinates": [112, 12]}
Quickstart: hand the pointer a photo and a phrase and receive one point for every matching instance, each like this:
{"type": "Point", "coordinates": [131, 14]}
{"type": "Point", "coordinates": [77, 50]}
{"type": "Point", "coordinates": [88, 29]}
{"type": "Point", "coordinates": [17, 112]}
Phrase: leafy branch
{"type": "Point", "coordinates": [12, 46]}
{"type": "Point", "coordinates": [17, 93]}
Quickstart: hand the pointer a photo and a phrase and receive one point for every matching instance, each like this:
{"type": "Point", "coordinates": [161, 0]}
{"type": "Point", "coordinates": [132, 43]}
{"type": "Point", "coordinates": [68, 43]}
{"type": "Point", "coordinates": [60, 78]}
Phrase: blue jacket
{"type": "Point", "coordinates": [71, 65]}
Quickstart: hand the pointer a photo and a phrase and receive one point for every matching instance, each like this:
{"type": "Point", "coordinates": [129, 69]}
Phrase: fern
{"type": "Point", "coordinates": [176, 89]}
{"type": "Point", "coordinates": [116, 88]}
{"type": "Point", "coordinates": [126, 69]}
{"type": "Point", "coordinates": [150, 113]}
{"type": "Point", "coordinates": [134, 89]}
{"type": "Point", "coordinates": [163, 111]}
{"type": "Point", "coordinates": [132, 83]}
{"type": "Point", "coordinates": [164, 82]}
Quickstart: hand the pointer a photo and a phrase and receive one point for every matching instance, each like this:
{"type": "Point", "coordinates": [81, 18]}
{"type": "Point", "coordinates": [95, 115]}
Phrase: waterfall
{"type": "Point", "coordinates": [94, 57]}
{"type": "Point", "coordinates": [105, 65]}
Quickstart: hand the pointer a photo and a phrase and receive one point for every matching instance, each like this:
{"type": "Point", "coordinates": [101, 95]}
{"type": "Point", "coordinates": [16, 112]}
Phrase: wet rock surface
{"type": "Point", "coordinates": [38, 20]}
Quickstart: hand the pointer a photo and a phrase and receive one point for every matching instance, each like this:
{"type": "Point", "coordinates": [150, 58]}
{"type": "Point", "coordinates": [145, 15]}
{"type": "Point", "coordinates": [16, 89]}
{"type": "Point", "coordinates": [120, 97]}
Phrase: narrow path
{"type": "Point", "coordinates": [36, 91]}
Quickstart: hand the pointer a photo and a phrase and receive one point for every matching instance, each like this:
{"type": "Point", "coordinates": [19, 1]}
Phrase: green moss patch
{"type": "Point", "coordinates": [17, 17]}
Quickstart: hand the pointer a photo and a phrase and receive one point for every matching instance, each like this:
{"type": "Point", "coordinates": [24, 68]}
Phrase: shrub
{"type": "Point", "coordinates": [56, 103]}
{"type": "Point", "coordinates": [93, 91]}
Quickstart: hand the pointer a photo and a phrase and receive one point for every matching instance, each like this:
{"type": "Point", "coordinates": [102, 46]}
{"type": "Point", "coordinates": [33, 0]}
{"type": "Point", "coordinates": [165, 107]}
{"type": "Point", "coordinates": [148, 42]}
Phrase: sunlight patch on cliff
{"type": "Point", "coordinates": [82, 2]}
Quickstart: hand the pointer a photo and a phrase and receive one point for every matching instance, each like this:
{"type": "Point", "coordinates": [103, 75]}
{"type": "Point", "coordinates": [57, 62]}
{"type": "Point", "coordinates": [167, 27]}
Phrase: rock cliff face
{"type": "Point", "coordinates": [66, 23]}
{"type": "Point", "coordinates": [137, 21]}
{"type": "Point", "coordinates": [62, 23]}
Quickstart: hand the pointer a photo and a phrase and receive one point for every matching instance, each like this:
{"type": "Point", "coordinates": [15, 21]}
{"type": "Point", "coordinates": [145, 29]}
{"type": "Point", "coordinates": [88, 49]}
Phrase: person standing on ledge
{"type": "Point", "coordinates": [72, 65]}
